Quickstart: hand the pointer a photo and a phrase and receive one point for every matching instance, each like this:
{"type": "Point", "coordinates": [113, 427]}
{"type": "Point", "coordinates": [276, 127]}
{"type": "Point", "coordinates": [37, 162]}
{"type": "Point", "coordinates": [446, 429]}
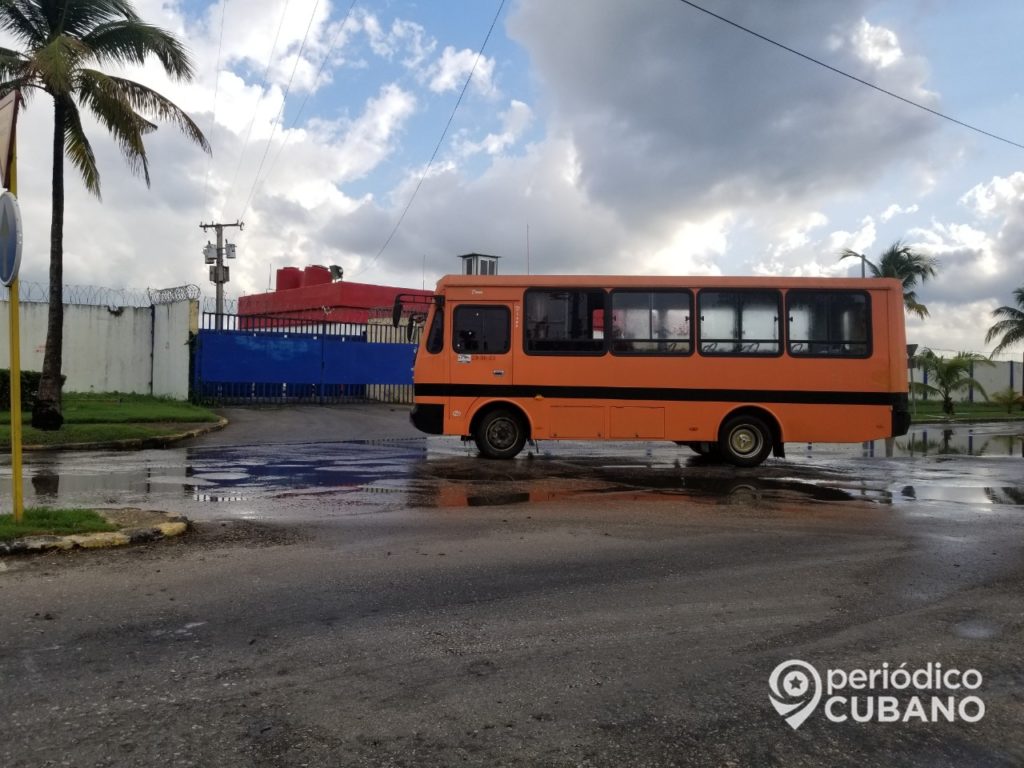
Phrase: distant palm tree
{"type": "Point", "coordinates": [906, 265]}
{"type": "Point", "coordinates": [947, 376]}
{"type": "Point", "coordinates": [1008, 397]}
{"type": "Point", "coordinates": [1010, 325]}
{"type": "Point", "coordinates": [61, 41]}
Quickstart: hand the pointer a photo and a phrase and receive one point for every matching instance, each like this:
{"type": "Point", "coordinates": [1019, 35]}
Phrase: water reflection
{"type": "Point", "coordinates": [939, 441]}
{"type": "Point", "coordinates": [373, 476]}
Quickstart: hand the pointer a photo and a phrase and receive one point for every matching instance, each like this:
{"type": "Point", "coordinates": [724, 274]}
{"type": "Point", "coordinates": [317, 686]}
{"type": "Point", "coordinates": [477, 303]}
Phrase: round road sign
{"type": "Point", "coordinates": [10, 238]}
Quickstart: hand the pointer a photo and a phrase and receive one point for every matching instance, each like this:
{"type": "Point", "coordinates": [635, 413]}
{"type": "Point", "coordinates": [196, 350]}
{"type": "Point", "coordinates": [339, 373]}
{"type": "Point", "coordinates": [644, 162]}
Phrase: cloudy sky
{"type": "Point", "coordinates": [605, 136]}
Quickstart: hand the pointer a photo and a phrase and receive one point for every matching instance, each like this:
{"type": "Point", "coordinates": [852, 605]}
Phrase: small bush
{"type": "Point", "coordinates": [29, 388]}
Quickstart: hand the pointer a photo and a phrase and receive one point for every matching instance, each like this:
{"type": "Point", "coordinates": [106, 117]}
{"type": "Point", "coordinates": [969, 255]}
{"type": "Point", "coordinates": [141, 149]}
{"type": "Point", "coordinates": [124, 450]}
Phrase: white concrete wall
{"type": "Point", "coordinates": [140, 350]}
{"type": "Point", "coordinates": [993, 378]}
{"type": "Point", "coordinates": [172, 324]}
{"type": "Point", "coordinates": [997, 378]}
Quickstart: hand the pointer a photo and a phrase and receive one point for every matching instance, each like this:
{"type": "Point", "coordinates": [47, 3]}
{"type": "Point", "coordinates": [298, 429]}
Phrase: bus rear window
{"type": "Point", "coordinates": [565, 322]}
{"type": "Point", "coordinates": [739, 322]}
{"type": "Point", "coordinates": [828, 324]}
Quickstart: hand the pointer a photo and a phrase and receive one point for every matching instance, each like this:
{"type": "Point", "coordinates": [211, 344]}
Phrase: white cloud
{"type": "Point", "coordinates": [693, 249]}
{"type": "Point", "coordinates": [877, 46]}
{"type": "Point", "coordinates": [997, 196]}
{"type": "Point", "coordinates": [897, 210]}
{"type": "Point", "coordinates": [952, 326]}
{"type": "Point", "coordinates": [449, 72]}
{"type": "Point", "coordinates": [859, 241]}
{"type": "Point", "coordinates": [515, 120]}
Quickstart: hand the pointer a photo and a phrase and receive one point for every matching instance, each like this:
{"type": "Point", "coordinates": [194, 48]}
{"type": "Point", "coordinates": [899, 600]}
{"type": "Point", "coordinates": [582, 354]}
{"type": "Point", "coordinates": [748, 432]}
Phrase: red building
{"type": "Point", "coordinates": [314, 294]}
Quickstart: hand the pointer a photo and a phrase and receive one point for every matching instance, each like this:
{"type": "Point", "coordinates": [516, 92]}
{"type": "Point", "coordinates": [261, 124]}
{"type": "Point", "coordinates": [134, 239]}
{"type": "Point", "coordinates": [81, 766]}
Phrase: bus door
{"type": "Point", "coordinates": [480, 355]}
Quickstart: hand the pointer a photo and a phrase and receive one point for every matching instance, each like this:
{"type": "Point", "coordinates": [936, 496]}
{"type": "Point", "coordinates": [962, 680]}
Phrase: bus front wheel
{"type": "Point", "coordinates": [500, 435]}
{"type": "Point", "coordinates": [745, 440]}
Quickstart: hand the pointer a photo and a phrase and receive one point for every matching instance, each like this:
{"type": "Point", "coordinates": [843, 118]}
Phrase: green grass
{"type": "Point", "coordinates": [114, 408]}
{"type": "Point", "coordinates": [56, 522]}
{"type": "Point", "coordinates": [931, 410]}
{"type": "Point", "coordinates": [108, 417]}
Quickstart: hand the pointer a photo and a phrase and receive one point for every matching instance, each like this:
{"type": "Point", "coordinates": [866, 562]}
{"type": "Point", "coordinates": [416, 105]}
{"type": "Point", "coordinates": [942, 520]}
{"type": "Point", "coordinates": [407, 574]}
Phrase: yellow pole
{"type": "Point", "coordinates": [15, 347]}
{"type": "Point", "coordinates": [16, 478]}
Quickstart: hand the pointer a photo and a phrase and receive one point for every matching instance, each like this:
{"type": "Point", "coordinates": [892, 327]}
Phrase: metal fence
{"type": "Point", "coordinates": [270, 359]}
{"type": "Point", "coordinates": [379, 330]}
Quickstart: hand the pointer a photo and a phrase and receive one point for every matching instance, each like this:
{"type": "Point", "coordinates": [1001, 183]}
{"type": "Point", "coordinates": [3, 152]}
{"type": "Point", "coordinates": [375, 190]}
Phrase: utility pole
{"type": "Point", "coordinates": [219, 274]}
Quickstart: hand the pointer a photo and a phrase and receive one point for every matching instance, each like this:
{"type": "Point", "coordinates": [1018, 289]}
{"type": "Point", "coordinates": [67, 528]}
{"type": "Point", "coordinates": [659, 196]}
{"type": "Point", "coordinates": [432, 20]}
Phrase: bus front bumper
{"type": "Point", "coordinates": [428, 417]}
{"type": "Point", "coordinates": [900, 418]}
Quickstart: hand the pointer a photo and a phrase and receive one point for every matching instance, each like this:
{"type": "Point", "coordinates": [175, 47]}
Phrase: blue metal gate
{"type": "Point", "coordinates": [257, 359]}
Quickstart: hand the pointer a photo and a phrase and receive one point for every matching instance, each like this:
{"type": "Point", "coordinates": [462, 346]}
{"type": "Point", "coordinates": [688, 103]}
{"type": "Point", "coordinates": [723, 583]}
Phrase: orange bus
{"type": "Point", "coordinates": [733, 367]}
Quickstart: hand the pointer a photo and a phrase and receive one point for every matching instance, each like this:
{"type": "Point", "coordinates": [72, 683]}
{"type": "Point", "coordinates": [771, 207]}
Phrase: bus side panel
{"type": "Point", "coordinates": [833, 424]}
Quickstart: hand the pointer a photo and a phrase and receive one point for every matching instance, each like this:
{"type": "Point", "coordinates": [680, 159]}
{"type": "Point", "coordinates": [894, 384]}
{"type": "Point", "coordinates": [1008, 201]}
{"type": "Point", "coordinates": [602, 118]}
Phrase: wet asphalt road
{"type": "Point", "coordinates": [357, 595]}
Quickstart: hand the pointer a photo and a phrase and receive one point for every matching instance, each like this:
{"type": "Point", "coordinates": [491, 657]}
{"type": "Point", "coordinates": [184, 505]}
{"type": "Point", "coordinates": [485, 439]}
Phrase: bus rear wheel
{"type": "Point", "coordinates": [745, 440]}
{"type": "Point", "coordinates": [500, 434]}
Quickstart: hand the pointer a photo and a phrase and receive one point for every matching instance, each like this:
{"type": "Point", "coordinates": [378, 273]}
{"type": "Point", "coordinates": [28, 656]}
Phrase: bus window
{"type": "Point", "coordinates": [739, 322]}
{"type": "Point", "coordinates": [651, 322]}
{"type": "Point", "coordinates": [565, 322]}
{"type": "Point", "coordinates": [481, 330]}
{"type": "Point", "coordinates": [435, 337]}
{"type": "Point", "coordinates": [828, 323]}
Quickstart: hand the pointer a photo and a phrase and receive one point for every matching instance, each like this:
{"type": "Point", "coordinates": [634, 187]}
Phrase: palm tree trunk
{"type": "Point", "coordinates": [46, 412]}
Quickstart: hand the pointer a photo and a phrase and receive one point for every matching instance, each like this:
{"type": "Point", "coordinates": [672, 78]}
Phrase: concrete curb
{"type": "Point", "coordinates": [133, 444]}
{"type": "Point", "coordinates": [165, 528]}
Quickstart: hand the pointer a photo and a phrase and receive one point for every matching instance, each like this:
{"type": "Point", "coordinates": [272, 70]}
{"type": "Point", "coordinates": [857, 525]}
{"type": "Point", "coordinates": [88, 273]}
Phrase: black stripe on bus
{"type": "Point", "coordinates": [897, 399]}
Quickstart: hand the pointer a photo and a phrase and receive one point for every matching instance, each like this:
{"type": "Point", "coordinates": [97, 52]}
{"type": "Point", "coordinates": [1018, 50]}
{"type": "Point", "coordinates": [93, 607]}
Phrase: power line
{"type": "Point", "coordinates": [437, 148]}
{"type": "Point", "coordinates": [280, 115]}
{"type": "Point", "coordinates": [856, 79]}
{"type": "Point", "coordinates": [302, 106]}
{"type": "Point", "coordinates": [259, 99]}
{"type": "Point", "coordinates": [216, 88]}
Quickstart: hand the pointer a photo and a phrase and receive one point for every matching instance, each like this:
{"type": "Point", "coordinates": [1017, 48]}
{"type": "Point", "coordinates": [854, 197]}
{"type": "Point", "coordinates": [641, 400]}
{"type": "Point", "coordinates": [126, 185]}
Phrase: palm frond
{"type": "Point", "coordinates": [25, 20]}
{"type": "Point", "coordinates": [871, 267]}
{"type": "Point", "coordinates": [147, 101]}
{"type": "Point", "coordinates": [78, 149]}
{"type": "Point", "coordinates": [133, 42]}
{"type": "Point", "coordinates": [82, 16]}
{"type": "Point", "coordinates": [17, 84]}
{"type": "Point", "coordinates": [55, 63]}
{"type": "Point", "coordinates": [107, 102]}
{"type": "Point", "coordinates": [911, 304]}
{"type": "Point", "coordinates": [1009, 325]}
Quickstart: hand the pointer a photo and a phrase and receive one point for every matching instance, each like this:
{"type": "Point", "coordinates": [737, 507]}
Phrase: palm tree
{"type": "Point", "coordinates": [62, 40]}
{"type": "Point", "coordinates": [906, 265]}
{"type": "Point", "coordinates": [947, 376]}
{"type": "Point", "coordinates": [1009, 325]}
{"type": "Point", "coordinates": [1008, 397]}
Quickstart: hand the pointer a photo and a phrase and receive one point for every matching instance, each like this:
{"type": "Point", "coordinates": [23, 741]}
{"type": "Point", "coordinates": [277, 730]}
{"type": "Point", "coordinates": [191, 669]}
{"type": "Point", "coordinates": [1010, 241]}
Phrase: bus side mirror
{"type": "Point", "coordinates": [396, 312]}
{"type": "Point", "coordinates": [415, 319]}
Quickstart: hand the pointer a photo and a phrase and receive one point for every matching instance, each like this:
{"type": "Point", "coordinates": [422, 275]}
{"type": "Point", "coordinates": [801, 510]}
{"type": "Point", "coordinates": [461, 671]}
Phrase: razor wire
{"type": "Point", "coordinates": [100, 296]}
{"type": "Point", "coordinates": [173, 295]}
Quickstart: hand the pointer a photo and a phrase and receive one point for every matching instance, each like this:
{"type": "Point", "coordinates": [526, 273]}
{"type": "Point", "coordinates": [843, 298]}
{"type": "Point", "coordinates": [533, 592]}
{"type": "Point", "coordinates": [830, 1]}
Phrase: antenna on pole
{"type": "Point", "coordinates": [527, 248]}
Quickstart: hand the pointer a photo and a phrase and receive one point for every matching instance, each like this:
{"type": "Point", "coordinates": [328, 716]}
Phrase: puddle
{"type": "Point", "coordinates": [969, 467]}
{"type": "Point", "coordinates": [991, 440]}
